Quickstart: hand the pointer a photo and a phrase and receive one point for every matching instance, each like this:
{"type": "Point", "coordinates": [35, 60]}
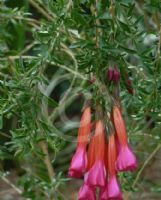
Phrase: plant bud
{"type": "Point", "coordinates": [129, 87]}
{"type": "Point", "coordinates": [116, 76]}
{"type": "Point", "coordinates": [110, 72]}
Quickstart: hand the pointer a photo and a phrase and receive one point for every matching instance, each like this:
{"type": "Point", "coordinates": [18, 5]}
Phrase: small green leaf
{"type": "Point", "coordinates": [131, 10]}
{"type": "Point", "coordinates": [51, 102]}
{"type": "Point", "coordinates": [131, 51]}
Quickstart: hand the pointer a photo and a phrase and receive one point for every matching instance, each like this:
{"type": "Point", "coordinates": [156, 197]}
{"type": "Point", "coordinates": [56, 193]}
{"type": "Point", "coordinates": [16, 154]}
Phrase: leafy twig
{"type": "Point", "coordinates": [47, 161]}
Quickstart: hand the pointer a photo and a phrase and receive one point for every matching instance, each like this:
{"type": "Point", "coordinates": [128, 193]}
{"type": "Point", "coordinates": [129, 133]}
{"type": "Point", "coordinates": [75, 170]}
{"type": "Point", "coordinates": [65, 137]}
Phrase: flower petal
{"type": "Point", "coordinates": [96, 175]}
{"type": "Point", "coordinates": [126, 160]}
{"type": "Point", "coordinates": [78, 163]}
{"type": "Point", "coordinates": [113, 189]}
{"type": "Point", "coordinates": [86, 193]}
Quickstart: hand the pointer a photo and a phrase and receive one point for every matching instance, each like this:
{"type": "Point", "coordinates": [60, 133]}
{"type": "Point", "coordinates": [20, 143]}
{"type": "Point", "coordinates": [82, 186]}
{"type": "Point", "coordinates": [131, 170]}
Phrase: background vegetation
{"type": "Point", "coordinates": [54, 55]}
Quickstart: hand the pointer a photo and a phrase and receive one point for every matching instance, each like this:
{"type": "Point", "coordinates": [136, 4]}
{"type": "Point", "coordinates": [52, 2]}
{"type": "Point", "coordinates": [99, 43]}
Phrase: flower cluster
{"type": "Point", "coordinates": [113, 75]}
{"type": "Point", "coordinates": [99, 159]}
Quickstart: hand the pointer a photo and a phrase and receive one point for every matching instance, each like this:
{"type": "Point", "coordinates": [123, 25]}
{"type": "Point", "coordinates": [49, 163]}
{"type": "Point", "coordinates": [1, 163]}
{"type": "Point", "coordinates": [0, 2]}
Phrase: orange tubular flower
{"type": "Point", "coordinates": [96, 168]}
{"type": "Point", "coordinates": [119, 126]}
{"type": "Point", "coordinates": [91, 153]}
{"type": "Point", "coordinates": [106, 156]}
{"type": "Point", "coordinates": [126, 160]}
{"type": "Point", "coordinates": [112, 189]}
{"type": "Point", "coordinates": [84, 128]}
{"type": "Point", "coordinates": [112, 155]}
{"type": "Point", "coordinates": [79, 161]}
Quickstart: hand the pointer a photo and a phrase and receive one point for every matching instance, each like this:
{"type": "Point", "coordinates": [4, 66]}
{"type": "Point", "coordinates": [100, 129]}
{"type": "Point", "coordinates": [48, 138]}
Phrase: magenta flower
{"type": "Point", "coordinates": [114, 189]}
{"type": "Point", "coordinates": [78, 163]}
{"type": "Point", "coordinates": [111, 191]}
{"type": "Point", "coordinates": [96, 175]}
{"type": "Point", "coordinates": [126, 160]}
{"type": "Point", "coordinates": [110, 74]}
{"type": "Point", "coordinates": [116, 76]}
{"type": "Point", "coordinates": [103, 193]}
{"type": "Point", "coordinates": [86, 193]}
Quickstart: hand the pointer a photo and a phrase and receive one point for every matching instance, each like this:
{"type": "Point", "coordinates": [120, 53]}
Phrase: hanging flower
{"type": "Point", "coordinates": [112, 154]}
{"type": "Point", "coordinates": [119, 125]}
{"type": "Point", "coordinates": [79, 160]}
{"type": "Point", "coordinates": [86, 193]}
{"type": "Point", "coordinates": [126, 159]}
{"type": "Point", "coordinates": [91, 153]}
{"type": "Point", "coordinates": [96, 174]}
{"type": "Point", "coordinates": [78, 163]}
{"type": "Point", "coordinates": [112, 189]}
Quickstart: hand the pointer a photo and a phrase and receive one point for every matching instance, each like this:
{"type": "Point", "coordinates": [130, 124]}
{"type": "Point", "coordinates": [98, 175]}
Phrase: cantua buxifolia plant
{"type": "Point", "coordinates": [86, 66]}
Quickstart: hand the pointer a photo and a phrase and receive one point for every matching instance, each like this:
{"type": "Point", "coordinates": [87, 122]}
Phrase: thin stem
{"type": "Point", "coordinates": [97, 22]}
{"type": "Point", "coordinates": [17, 57]}
{"type": "Point", "coordinates": [32, 24]}
{"type": "Point", "coordinates": [145, 164]}
{"type": "Point", "coordinates": [41, 10]}
{"type": "Point", "coordinates": [27, 48]}
{"type": "Point", "coordinates": [47, 161]}
{"type": "Point", "coordinates": [27, 19]}
{"type": "Point", "coordinates": [5, 135]}
{"type": "Point", "coordinates": [11, 184]}
{"type": "Point", "coordinates": [45, 9]}
{"type": "Point", "coordinates": [78, 74]}
{"type": "Point", "coordinates": [112, 10]}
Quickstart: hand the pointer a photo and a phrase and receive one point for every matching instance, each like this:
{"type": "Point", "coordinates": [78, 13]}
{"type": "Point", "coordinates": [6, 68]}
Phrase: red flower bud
{"type": "Point", "coordinates": [110, 72]}
{"type": "Point", "coordinates": [116, 76]}
{"type": "Point", "coordinates": [129, 87]}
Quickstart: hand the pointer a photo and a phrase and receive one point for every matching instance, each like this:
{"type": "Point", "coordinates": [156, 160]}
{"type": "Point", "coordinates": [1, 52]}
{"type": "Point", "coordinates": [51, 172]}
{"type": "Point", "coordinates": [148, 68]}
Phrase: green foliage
{"type": "Point", "coordinates": [50, 50]}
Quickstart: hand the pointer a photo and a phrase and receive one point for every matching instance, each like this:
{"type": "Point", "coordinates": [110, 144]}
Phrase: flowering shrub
{"type": "Point", "coordinates": [60, 59]}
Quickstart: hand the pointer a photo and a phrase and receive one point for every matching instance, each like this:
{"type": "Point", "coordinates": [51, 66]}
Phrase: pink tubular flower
{"type": "Point", "coordinates": [86, 193]}
{"type": "Point", "coordinates": [97, 173]}
{"type": "Point", "coordinates": [126, 160]}
{"type": "Point", "coordinates": [78, 163]}
{"type": "Point", "coordinates": [79, 160]}
{"type": "Point", "coordinates": [112, 189]}
{"type": "Point", "coordinates": [103, 193]}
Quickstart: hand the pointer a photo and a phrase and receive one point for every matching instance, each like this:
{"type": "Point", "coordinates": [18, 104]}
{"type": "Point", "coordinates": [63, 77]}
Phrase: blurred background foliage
{"type": "Point", "coordinates": [51, 51]}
